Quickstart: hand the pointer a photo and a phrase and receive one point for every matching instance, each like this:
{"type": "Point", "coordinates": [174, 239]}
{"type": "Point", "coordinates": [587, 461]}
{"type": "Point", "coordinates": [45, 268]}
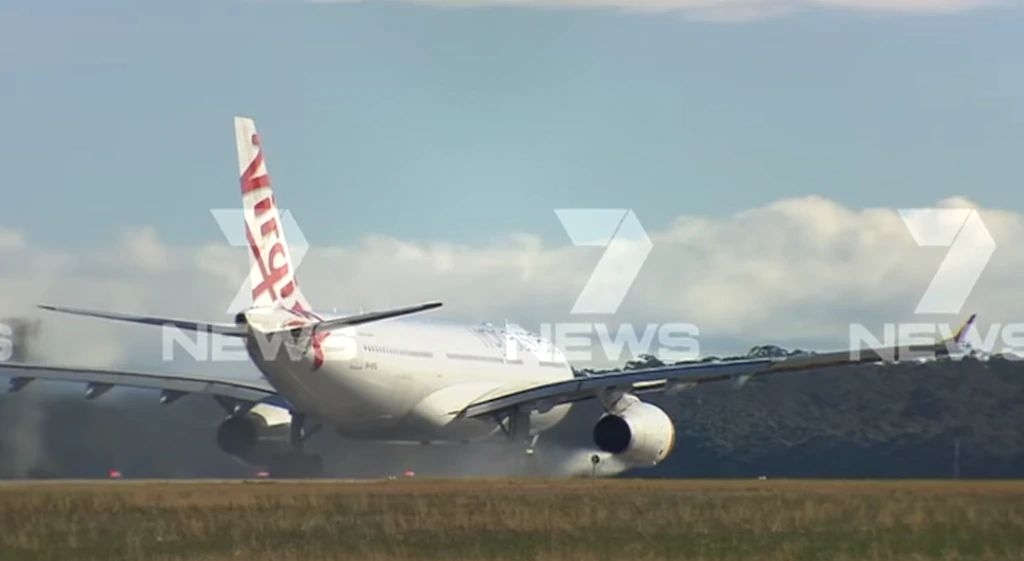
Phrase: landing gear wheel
{"type": "Point", "coordinates": [531, 465]}
{"type": "Point", "coordinates": [297, 466]}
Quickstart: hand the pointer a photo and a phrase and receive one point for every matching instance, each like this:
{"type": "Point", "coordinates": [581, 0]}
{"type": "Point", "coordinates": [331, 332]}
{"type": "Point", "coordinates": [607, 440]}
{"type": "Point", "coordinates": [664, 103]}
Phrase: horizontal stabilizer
{"type": "Point", "coordinates": [228, 329]}
{"type": "Point", "coordinates": [368, 317]}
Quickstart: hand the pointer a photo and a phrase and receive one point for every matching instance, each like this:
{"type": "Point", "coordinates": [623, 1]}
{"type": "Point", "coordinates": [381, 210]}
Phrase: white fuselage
{"type": "Point", "coordinates": [407, 380]}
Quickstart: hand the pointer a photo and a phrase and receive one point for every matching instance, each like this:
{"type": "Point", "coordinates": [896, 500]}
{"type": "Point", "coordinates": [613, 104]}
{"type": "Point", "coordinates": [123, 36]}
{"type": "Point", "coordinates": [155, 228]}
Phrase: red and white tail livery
{"type": "Point", "coordinates": [271, 273]}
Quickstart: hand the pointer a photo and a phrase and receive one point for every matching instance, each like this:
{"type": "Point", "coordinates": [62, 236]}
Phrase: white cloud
{"type": "Point", "coordinates": [142, 248]}
{"type": "Point", "coordinates": [722, 10]}
{"type": "Point", "coordinates": [795, 272]}
{"type": "Point", "coordinates": [940, 6]}
{"type": "Point", "coordinates": [10, 241]}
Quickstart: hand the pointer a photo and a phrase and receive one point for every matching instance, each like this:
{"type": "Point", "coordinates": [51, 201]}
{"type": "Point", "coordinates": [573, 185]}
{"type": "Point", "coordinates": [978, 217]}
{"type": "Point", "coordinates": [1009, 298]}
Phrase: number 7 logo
{"type": "Point", "coordinates": [232, 223]}
{"type": "Point", "coordinates": [626, 244]}
{"type": "Point", "coordinates": [970, 248]}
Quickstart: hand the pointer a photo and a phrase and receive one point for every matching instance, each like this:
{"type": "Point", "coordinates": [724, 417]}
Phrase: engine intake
{"type": "Point", "coordinates": [642, 434]}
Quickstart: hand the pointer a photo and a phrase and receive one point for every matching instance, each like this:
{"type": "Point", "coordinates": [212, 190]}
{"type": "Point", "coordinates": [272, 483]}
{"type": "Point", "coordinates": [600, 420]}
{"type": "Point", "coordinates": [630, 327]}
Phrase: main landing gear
{"type": "Point", "coordinates": [531, 464]}
{"type": "Point", "coordinates": [516, 427]}
{"type": "Point", "coordinates": [297, 464]}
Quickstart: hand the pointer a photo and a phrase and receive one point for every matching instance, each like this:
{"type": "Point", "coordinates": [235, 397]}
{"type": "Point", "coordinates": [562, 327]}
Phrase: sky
{"type": "Point", "coordinates": [765, 145]}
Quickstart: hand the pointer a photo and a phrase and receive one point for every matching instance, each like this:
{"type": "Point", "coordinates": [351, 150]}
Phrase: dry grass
{"type": "Point", "coordinates": [535, 520]}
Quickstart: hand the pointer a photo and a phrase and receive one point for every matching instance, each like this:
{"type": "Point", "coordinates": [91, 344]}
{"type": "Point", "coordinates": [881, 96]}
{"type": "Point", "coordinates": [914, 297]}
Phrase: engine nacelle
{"type": "Point", "coordinates": [256, 435]}
{"type": "Point", "coordinates": [642, 434]}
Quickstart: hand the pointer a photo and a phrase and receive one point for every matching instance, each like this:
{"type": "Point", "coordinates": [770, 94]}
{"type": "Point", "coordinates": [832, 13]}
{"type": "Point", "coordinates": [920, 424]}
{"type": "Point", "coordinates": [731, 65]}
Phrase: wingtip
{"type": "Point", "coordinates": [961, 334]}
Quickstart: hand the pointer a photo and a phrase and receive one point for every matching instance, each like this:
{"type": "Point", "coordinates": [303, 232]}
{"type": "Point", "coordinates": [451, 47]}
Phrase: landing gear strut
{"type": "Point", "coordinates": [516, 426]}
{"type": "Point", "coordinates": [531, 463]}
{"type": "Point", "coordinates": [297, 464]}
{"type": "Point", "coordinates": [531, 444]}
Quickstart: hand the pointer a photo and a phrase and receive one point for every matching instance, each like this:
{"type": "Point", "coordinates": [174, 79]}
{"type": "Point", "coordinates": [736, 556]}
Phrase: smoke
{"type": "Point", "coordinates": [23, 421]}
{"type": "Point", "coordinates": [581, 462]}
{"type": "Point", "coordinates": [490, 458]}
{"type": "Point", "coordinates": [563, 451]}
{"type": "Point", "coordinates": [22, 429]}
{"type": "Point", "coordinates": [24, 338]}
{"type": "Point", "coordinates": [51, 430]}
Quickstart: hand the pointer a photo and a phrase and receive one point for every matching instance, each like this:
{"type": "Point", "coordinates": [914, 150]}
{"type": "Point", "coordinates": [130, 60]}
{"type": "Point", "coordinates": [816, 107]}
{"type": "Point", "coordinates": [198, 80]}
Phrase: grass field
{"type": "Point", "coordinates": [543, 520]}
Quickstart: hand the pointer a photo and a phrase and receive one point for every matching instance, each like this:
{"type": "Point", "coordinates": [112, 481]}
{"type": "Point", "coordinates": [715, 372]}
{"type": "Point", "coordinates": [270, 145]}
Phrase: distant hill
{"type": "Point", "coordinates": [868, 421]}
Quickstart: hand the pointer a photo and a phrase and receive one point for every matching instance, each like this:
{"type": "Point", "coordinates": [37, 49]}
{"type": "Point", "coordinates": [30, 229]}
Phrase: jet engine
{"type": "Point", "coordinates": [642, 434]}
{"type": "Point", "coordinates": [257, 435]}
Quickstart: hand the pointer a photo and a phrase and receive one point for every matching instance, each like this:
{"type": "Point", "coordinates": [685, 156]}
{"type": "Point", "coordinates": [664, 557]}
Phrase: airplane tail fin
{"type": "Point", "coordinates": [271, 274]}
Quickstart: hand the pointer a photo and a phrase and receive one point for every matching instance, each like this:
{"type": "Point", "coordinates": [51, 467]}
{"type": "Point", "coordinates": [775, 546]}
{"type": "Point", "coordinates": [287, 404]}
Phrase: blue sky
{"type": "Point", "coordinates": [422, 147]}
{"type": "Point", "coordinates": [467, 124]}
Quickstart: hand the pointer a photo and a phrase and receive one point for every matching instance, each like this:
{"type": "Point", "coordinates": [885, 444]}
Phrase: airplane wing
{"type": "Point", "coordinates": [683, 376]}
{"type": "Point", "coordinates": [227, 329]}
{"type": "Point", "coordinates": [171, 386]}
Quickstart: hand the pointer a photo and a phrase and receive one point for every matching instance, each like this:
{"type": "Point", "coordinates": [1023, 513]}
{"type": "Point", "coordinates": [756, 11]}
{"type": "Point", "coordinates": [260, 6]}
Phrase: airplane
{"type": "Point", "coordinates": [379, 376]}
